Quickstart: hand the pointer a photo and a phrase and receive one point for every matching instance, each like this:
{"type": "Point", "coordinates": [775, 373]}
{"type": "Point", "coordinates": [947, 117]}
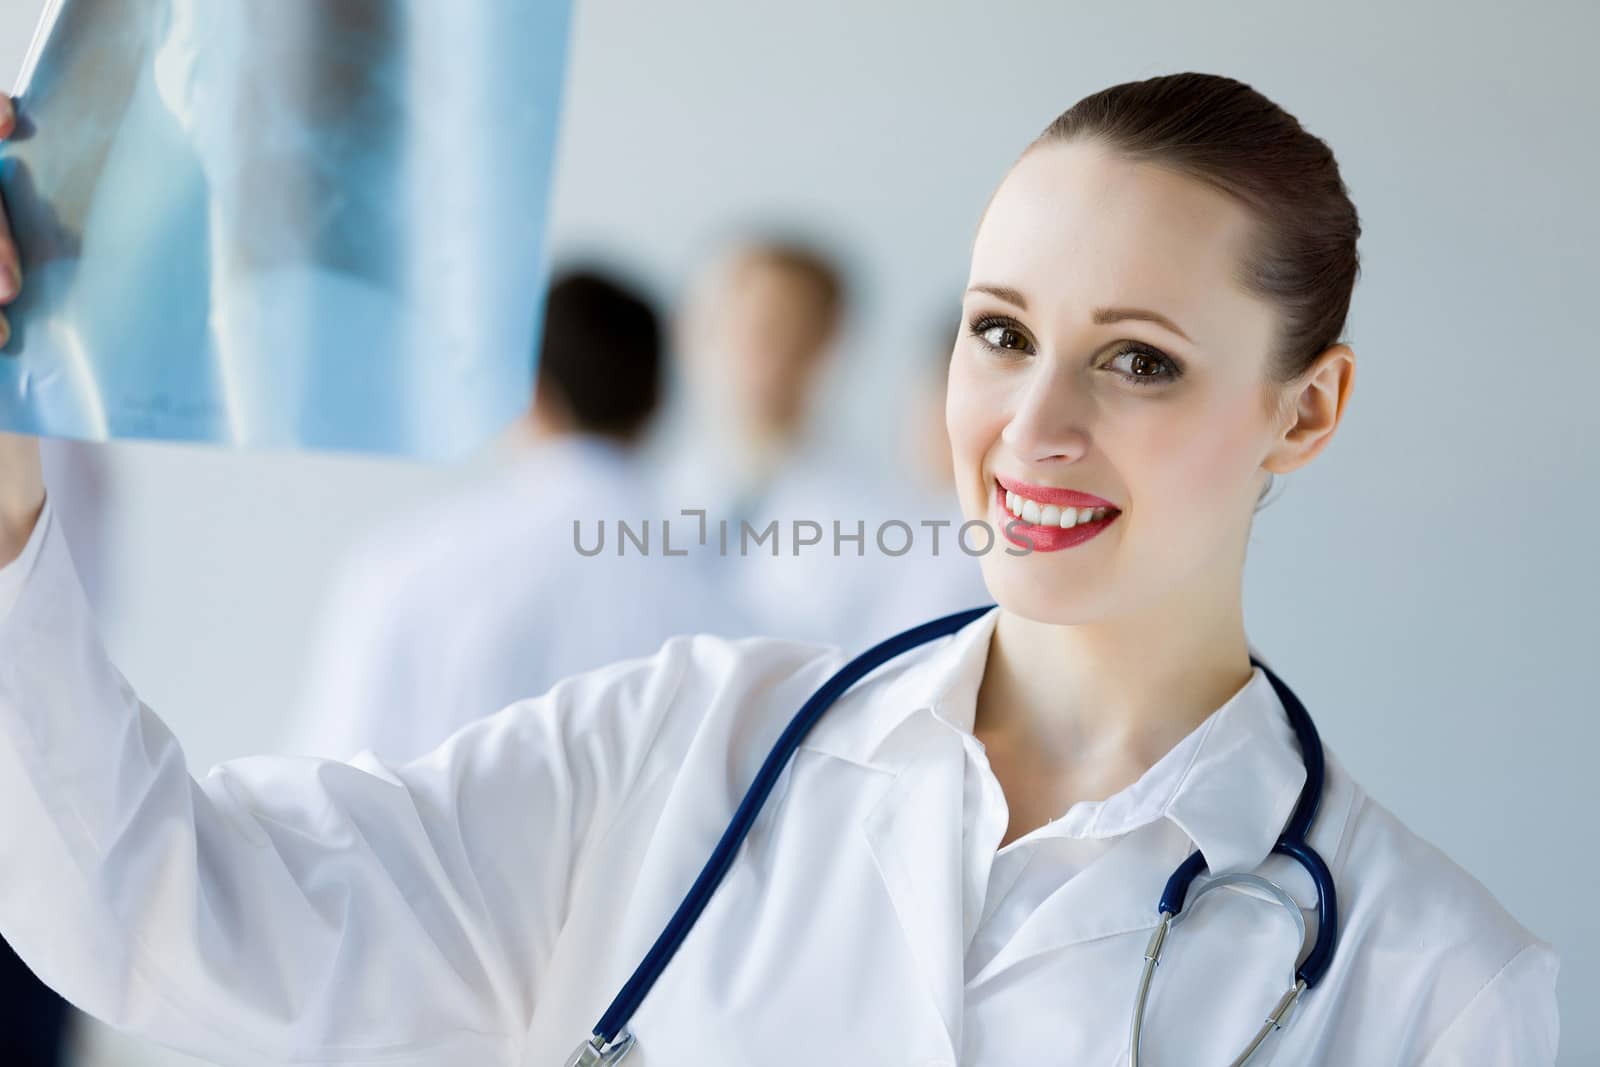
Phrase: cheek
{"type": "Point", "coordinates": [1197, 461]}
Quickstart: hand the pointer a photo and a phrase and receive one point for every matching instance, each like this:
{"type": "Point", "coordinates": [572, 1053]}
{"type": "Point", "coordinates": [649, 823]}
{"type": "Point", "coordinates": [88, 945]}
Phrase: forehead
{"type": "Point", "coordinates": [1075, 226]}
{"type": "Point", "coordinates": [756, 273]}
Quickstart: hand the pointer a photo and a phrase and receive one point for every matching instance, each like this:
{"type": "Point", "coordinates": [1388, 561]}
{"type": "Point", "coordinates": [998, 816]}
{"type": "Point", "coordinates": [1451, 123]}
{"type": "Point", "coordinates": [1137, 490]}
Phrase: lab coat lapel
{"type": "Point", "coordinates": [1116, 894]}
{"type": "Point", "coordinates": [1241, 778]}
{"type": "Point", "coordinates": [916, 835]}
{"type": "Point", "coordinates": [917, 831]}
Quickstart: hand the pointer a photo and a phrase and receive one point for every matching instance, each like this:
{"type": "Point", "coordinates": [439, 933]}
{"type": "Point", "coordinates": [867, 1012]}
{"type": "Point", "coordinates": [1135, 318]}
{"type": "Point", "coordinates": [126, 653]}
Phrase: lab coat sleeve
{"type": "Point", "coordinates": [287, 909]}
{"type": "Point", "coordinates": [348, 685]}
{"type": "Point", "coordinates": [1512, 1019]}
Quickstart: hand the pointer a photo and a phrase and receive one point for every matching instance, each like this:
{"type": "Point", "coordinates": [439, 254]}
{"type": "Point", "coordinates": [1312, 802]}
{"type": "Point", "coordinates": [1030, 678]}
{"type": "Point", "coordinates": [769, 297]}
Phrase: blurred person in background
{"type": "Point", "coordinates": [923, 433]}
{"type": "Point", "coordinates": [756, 336]}
{"type": "Point", "coordinates": [483, 599]}
{"type": "Point", "coordinates": [761, 329]}
{"type": "Point", "coordinates": [934, 576]}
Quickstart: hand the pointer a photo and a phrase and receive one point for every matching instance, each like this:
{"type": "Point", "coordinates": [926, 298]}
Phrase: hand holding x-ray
{"type": "Point", "coordinates": [311, 223]}
{"type": "Point", "coordinates": [21, 477]}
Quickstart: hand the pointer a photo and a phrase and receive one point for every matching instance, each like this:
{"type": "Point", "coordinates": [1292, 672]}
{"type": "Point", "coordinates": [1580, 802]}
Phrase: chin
{"type": "Point", "coordinates": [1032, 596]}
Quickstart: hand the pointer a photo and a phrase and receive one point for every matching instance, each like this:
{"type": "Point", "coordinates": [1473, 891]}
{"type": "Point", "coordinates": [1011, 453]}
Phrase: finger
{"type": "Point", "coordinates": [10, 261]}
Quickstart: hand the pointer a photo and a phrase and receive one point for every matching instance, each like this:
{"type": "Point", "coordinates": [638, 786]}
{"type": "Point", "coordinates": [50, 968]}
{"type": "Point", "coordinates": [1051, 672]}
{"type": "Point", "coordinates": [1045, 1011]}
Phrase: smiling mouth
{"type": "Point", "coordinates": [1034, 513]}
{"type": "Point", "coordinates": [1045, 519]}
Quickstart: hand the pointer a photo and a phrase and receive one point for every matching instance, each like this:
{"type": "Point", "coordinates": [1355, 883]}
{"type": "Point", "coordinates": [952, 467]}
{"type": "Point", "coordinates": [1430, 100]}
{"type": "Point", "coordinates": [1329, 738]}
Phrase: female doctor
{"type": "Point", "coordinates": [962, 862]}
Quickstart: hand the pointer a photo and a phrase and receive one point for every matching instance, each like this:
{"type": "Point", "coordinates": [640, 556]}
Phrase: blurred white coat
{"type": "Point", "coordinates": [484, 599]}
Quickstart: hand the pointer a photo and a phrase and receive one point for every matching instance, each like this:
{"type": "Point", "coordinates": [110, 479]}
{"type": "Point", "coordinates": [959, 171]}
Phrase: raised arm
{"type": "Point", "coordinates": [294, 909]}
{"type": "Point", "coordinates": [282, 909]}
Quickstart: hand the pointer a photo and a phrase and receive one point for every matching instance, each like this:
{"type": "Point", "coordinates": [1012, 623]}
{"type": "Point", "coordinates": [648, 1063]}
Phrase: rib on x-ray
{"type": "Point", "coordinates": [282, 223]}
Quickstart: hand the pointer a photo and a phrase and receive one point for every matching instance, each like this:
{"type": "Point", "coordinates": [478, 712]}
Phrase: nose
{"type": "Point", "coordinates": [1051, 420]}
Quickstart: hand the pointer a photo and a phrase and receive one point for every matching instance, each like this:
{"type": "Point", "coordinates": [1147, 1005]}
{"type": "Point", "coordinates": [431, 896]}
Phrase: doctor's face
{"type": "Point", "coordinates": [1110, 367]}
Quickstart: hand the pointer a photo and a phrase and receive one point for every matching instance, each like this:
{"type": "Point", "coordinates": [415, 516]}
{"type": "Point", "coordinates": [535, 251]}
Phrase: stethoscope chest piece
{"type": "Point", "coordinates": [1276, 1019]}
{"type": "Point", "coordinates": [597, 1052]}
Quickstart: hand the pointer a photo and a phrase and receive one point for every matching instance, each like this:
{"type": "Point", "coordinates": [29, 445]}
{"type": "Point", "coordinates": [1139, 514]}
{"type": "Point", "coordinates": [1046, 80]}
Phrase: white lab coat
{"type": "Point", "coordinates": [482, 905]}
{"type": "Point", "coordinates": [483, 598]}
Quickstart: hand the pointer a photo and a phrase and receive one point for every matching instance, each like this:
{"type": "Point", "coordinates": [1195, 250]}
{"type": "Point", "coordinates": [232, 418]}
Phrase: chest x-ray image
{"type": "Point", "coordinates": [297, 224]}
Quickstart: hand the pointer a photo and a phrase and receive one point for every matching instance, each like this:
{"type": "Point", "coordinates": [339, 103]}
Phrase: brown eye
{"type": "Point", "coordinates": [1141, 366]}
{"type": "Point", "coordinates": [1005, 337]}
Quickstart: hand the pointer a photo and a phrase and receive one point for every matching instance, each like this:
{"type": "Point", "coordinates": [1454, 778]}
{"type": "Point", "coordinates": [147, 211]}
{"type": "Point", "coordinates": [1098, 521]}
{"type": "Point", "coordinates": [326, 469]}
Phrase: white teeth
{"type": "Point", "coordinates": [1031, 511]}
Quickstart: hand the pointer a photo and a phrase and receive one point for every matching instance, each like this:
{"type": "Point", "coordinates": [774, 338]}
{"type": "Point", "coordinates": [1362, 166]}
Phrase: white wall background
{"type": "Point", "coordinates": [1428, 586]}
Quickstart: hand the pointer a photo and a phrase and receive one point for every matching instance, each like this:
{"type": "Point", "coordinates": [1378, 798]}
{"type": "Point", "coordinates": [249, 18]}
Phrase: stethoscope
{"type": "Point", "coordinates": [611, 1041]}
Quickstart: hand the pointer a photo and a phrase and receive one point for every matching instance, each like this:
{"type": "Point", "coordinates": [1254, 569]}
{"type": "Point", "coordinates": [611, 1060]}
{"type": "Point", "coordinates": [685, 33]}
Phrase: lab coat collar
{"type": "Point", "coordinates": [1230, 785]}
{"type": "Point", "coordinates": [573, 452]}
{"type": "Point", "coordinates": [1228, 788]}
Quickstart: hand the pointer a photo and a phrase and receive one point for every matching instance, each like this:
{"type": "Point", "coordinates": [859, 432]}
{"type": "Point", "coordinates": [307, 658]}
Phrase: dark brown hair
{"type": "Point", "coordinates": [1226, 134]}
{"type": "Point", "coordinates": [601, 351]}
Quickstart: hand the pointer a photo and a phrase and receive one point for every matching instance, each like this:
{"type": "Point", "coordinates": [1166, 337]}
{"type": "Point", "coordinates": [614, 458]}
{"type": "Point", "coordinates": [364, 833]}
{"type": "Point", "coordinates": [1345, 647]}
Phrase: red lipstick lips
{"type": "Point", "coordinates": [1039, 538]}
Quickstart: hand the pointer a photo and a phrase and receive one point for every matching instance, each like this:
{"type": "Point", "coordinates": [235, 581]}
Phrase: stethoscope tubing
{"type": "Point", "coordinates": [1291, 843]}
{"type": "Point", "coordinates": [716, 868]}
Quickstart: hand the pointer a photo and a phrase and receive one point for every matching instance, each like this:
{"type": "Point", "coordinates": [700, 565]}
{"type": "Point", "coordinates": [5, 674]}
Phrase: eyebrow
{"type": "Point", "coordinates": [1105, 315]}
{"type": "Point", "coordinates": [1101, 317]}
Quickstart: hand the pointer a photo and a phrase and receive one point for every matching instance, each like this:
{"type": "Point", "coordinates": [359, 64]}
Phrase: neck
{"type": "Point", "coordinates": [1113, 693]}
{"type": "Point", "coordinates": [752, 452]}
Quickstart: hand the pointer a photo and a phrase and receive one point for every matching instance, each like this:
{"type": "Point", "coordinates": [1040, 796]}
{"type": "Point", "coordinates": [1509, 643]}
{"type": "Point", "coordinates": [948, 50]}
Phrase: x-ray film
{"type": "Point", "coordinates": [282, 223]}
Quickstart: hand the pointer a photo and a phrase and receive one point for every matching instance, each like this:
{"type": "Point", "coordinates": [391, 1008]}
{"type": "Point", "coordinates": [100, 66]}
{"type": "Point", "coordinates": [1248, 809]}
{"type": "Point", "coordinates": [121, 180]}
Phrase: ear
{"type": "Point", "coordinates": [1312, 406]}
{"type": "Point", "coordinates": [549, 415]}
